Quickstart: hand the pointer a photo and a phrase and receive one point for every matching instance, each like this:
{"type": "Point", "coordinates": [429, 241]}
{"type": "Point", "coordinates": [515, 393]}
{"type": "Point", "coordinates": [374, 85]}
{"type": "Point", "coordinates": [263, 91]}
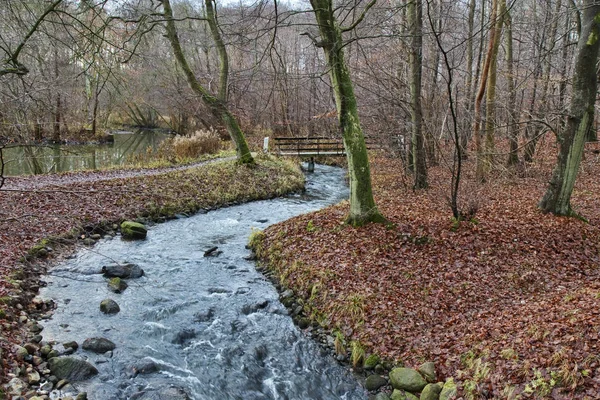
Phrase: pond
{"type": "Point", "coordinates": [210, 327]}
{"type": "Point", "coordinates": [42, 159]}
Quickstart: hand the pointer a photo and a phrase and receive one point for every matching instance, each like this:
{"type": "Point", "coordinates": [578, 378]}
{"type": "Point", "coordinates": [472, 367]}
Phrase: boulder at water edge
{"type": "Point", "coordinates": [71, 368]}
{"type": "Point", "coordinates": [407, 379]}
{"type": "Point", "coordinates": [98, 345]}
{"type": "Point", "coordinates": [402, 395]}
{"type": "Point", "coordinates": [133, 230]}
{"type": "Point", "coordinates": [109, 306]}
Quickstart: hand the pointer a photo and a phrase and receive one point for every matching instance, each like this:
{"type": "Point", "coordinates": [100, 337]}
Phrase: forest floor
{"type": "Point", "coordinates": [507, 303]}
{"type": "Point", "coordinates": [57, 212]}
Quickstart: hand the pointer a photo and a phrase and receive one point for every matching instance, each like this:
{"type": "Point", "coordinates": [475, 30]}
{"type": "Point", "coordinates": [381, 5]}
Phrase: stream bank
{"type": "Point", "coordinates": [208, 327]}
{"type": "Point", "coordinates": [40, 226]}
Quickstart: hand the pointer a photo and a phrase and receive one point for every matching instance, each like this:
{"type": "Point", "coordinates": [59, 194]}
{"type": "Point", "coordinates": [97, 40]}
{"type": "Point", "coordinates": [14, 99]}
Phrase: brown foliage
{"type": "Point", "coordinates": [516, 290]}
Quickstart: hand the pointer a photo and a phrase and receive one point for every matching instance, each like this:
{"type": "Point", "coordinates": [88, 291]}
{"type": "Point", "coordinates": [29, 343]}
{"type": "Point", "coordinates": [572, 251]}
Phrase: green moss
{"type": "Point", "coordinates": [371, 361]}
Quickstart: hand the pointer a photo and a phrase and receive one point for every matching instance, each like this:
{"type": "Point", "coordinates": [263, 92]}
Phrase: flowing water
{"type": "Point", "coordinates": [213, 326]}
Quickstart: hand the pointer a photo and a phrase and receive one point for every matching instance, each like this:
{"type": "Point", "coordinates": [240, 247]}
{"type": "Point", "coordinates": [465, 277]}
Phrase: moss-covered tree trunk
{"type": "Point", "coordinates": [415, 21]}
{"type": "Point", "coordinates": [490, 101]}
{"type": "Point", "coordinates": [557, 199]}
{"type": "Point", "coordinates": [218, 103]}
{"type": "Point", "coordinates": [362, 204]}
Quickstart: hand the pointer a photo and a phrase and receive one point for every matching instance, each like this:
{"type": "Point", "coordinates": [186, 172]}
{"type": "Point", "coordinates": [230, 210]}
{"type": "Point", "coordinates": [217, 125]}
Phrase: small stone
{"type": "Point", "coordinates": [47, 386]}
{"type": "Point", "coordinates": [16, 386]}
{"type": "Point", "coordinates": [36, 328]}
{"type": "Point", "coordinates": [407, 379]}
{"type": "Point", "coordinates": [61, 384]}
{"type": "Point", "coordinates": [431, 391]}
{"type": "Point", "coordinates": [382, 396]}
{"type": "Point", "coordinates": [21, 352]}
{"type": "Point", "coordinates": [81, 396]}
{"type": "Point", "coordinates": [449, 390]}
{"type": "Point", "coordinates": [98, 345]}
{"type": "Point", "coordinates": [45, 350]}
{"type": "Point", "coordinates": [133, 230]}
{"type": "Point", "coordinates": [116, 285]}
{"type": "Point", "coordinates": [89, 242]}
{"type": "Point", "coordinates": [53, 353]}
{"type": "Point", "coordinates": [31, 348]}
{"type": "Point", "coordinates": [71, 345]}
{"type": "Point", "coordinates": [303, 323]}
{"type": "Point", "coordinates": [96, 236]}
{"type": "Point", "coordinates": [374, 382]}
{"type": "Point", "coordinates": [427, 370]}
{"type": "Point", "coordinates": [37, 360]}
{"type": "Point", "coordinates": [213, 252]}
{"type": "Point", "coordinates": [33, 378]}
{"type": "Point", "coordinates": [109, 306]}
{"type": "Point", "coordinates": [402, 395]}
{"type": "Point", "coordinates": [37, 338]}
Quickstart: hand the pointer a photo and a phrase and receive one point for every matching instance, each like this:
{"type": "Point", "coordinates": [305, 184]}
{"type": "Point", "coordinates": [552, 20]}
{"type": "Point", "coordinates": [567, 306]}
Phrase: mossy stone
{"type": "Point", "coordinates": [402, 395]}
{"type": "Point", "coordinates": [117, 285]}
{"type": "Point", "coordinates": [449, 390]}
{"type": "Point", "coordinates": [407, 379]}
{"type": "Point", "coordinates": [133, 230]}
{"type": "Point", "coordinates": [371, 361]}
{"type": "Point", "coordinates": [432, 391]}
{"type": "Point", "coordinates": [374, 382]}
{"type": "Point", "coordinates": [109, 306]}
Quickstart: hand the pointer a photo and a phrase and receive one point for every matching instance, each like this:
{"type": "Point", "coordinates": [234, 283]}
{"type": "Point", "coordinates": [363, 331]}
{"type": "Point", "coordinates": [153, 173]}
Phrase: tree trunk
{"type": "Point", "coordinates": [468, 102]}
{"type": "Point", "coordinates": [490, 103]}
{"type": "Point", "coordinates": [513, 138]}
{"type": "Point", "coordinates": [217, 104]}
{"type": "Point", "coordinates": [362, 204]}
{"type": "Point", "coordinates": [480, 169]}
{"type": "Point", "coordinates": [415, 20]}
{"type": "Point", "coordinates": [557, 199]}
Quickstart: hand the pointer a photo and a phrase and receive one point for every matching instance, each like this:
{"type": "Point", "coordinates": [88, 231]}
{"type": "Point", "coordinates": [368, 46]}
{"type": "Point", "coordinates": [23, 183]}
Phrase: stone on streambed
{"type": "Point", "coordinates": [144, 366]}
{"type": "Point", "coordinates": [117, 285]}
{"type": "Point", "coordinates": [71, 368]}
{"type": "Point", "coordinates": [407, 379]}
{"type": "Point", "coordinates": [98, 345]}
{"type": "Point", "coordinates": [123, 271]}
{"type": "Point", "coordinates": [172, 393]}
{"type": "Point", "coordinates": [131, 230]}
{"type": "Point", "coordinates": [109, 306]}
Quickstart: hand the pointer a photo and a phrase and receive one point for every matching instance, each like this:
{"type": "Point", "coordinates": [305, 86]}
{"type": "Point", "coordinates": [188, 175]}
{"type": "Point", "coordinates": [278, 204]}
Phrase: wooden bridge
{"type": "Point", "coordinates": [310, 147]}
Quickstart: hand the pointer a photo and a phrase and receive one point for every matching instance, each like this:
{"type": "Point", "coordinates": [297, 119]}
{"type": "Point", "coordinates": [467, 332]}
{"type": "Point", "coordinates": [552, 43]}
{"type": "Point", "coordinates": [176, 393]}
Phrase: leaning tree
{"type": "Point", "coordinates": [557, 199]}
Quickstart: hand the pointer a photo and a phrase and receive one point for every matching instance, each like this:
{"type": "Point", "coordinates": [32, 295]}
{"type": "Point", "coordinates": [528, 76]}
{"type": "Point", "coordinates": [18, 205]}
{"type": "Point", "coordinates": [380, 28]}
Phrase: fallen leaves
{"type": "Point", "coordinates": [514, 279]}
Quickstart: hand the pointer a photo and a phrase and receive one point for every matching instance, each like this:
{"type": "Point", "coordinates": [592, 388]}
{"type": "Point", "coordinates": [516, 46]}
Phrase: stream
{"type": "Point", "coordinates": [211, 327]}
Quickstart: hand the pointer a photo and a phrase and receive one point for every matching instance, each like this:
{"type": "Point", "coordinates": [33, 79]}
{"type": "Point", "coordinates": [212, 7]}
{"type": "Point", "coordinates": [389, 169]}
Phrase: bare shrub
{"type": "Point", "coordinates": [201, 142]}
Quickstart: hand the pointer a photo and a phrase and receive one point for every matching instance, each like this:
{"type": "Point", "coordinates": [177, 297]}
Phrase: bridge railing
{"type": "Point", "coordinates": [313, 146]}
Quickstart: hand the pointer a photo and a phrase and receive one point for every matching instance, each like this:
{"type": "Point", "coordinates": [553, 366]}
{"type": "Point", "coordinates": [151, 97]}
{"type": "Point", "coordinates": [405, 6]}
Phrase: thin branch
{"type": "Point", "coordinates": [360, 18]}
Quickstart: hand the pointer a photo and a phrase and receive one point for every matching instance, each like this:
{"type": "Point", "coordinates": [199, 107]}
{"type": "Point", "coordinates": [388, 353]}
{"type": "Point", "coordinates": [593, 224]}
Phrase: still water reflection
{"type": "Point", "coordinates": [35, 160]}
